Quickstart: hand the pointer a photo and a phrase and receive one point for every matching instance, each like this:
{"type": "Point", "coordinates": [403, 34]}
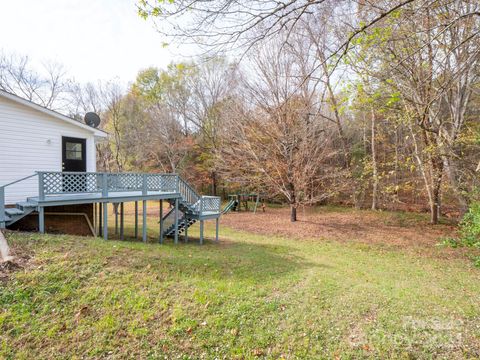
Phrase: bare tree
{"type": "Point", "coordinates": [274, 143]}
{"type": "Point", "coordinates": [167, 142]}
{"type": "Point", "coordinates": [85, 98]}
{"type": "Point", "coordinates": [213, 85]}
{"type": "Point", "coordinates": [112, 94]}
{"type": "Point", "coordinates": [459, 67]}
{"type": "Point", "coordinates": [433, 71]}
{"type": "Point", "coordinates": [48, 87]}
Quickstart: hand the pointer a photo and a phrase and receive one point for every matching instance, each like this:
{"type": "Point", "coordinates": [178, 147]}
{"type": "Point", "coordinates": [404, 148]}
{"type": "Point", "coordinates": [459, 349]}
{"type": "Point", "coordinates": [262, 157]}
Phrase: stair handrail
{"type": "Point", "coordinates": [168, 213]}
{"type": "Point", "coordinates": [189, 192]}
{"type": "Point", "coordinates": [2, 198]}
{"type": "Point", "coordinates": [200, 200]}
{"type": "Point", "coordinates": [17, 181]}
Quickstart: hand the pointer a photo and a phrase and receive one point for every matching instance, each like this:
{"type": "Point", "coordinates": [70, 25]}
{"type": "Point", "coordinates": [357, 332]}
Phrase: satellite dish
{"type": "Point", "coordinates": [92, 119]}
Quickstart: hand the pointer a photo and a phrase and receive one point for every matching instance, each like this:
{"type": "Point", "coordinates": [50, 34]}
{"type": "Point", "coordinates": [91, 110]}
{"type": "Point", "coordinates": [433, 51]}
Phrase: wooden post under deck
{"type": "Point", "coordinates": [144, 228]}
{"type": "Point", "coordinates": [201, 232]}
{"type": "Point", "coordinates": [161, 223]}
{"type": "Point", "coordinates": [95, 219]}
{"type": "Point", "coordinates": [216, 229]}
{"type": "Point", "coordinates": [122, 221]}
{"type": "Point", "coordinates": [100, 219]}
{"type": "Point", "coordinates": [136, 219]}
{"type": "Point", "coordinates": [105, 221]}
{"type": "Point", "coordinates": [41, 220]}
{"type": "Point", "coordinates": [115, 207]}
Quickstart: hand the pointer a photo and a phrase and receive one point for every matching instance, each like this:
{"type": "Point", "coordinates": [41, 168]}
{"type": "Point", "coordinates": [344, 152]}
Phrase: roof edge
{"type": "Point", "coordinates": [97, 132]}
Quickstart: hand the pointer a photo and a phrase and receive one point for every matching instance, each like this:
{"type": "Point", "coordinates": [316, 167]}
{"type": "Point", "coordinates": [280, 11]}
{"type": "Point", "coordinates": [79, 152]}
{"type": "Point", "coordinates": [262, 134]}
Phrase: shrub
{"type": "Point", "coordinates": [469, 232]}
{"type": "Point", "coordinates": [476, 261]}
{"type": "Point", "coordinates": [470, 226]}
{"type": "Point", "coordinates": [450, 242]}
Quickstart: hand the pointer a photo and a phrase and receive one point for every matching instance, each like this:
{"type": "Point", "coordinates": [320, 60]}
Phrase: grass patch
{"type": "Point", "coordinates": [250, 296]}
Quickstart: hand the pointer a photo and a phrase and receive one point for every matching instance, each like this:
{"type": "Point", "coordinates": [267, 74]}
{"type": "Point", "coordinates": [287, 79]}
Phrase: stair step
{"type": "Point", "coordinates": [13, 211]}
{"type": "Point", "coordinates": [181, 227]}
{"type": "Point", "coordinates": [7, 218]}
{"type": "Point", "coordinates": [26, 204]}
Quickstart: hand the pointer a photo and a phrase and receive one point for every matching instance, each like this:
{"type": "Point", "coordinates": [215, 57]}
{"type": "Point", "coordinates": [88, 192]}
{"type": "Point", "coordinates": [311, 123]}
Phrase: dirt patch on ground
{"type": "Point", "coordinates": [384, 228]}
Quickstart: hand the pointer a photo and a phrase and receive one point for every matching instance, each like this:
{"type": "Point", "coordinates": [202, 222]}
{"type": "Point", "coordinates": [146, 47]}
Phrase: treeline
{"type": "Point", "coordinates": [386, 120]}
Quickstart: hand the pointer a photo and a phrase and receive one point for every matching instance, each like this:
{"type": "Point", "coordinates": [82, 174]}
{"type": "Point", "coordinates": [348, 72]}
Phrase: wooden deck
{"type": "Point", "coordinates": [100, 189]}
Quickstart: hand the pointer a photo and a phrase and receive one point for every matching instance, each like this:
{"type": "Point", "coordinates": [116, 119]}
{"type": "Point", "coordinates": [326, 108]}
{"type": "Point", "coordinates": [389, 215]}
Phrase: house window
{"type": "Point", "coordinates": [73, 151]}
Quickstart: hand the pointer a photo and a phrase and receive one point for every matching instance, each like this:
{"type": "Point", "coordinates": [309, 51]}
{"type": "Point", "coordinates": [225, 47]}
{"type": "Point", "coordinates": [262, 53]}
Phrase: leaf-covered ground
{"type": "Point", "coordinates": [250, 296]}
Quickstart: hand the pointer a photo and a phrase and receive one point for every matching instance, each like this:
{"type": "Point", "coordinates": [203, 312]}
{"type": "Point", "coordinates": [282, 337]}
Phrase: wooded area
{"type": "Point", "coordinates": [367, 103]}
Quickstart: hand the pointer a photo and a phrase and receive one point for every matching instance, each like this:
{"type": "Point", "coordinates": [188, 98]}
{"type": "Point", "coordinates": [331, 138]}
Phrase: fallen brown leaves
{"type": "Point", "coordinates": [367, 227]}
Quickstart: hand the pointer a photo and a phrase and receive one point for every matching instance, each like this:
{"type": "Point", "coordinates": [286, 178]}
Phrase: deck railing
{"type": "Point", "coordinates": [210, 204]}
{"type": "Point", "coordinates": [60, 183]}
{"type": "Point", "coordinates": [64, 183]}
{"type": "Point", "coordinates": [51, 183]}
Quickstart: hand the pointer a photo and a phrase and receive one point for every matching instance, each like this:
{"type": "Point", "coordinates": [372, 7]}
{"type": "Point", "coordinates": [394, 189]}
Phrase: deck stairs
{"type": "Point", "coordinates": [183, 223]}
{"type": "Point", "coordinates": [21, 209]}
{"type": "Point", "coordinates": [188, 214]}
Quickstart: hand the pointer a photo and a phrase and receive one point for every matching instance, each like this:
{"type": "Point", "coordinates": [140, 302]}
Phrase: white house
{"type": "Point", "coordinates": [34, 138]}
{"type": "Point", "coordinates": [67, 195]}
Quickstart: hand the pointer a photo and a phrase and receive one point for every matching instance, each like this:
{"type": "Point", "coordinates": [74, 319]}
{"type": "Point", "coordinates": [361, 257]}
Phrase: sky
{"type": "Point", "coordinates": [93, 39]}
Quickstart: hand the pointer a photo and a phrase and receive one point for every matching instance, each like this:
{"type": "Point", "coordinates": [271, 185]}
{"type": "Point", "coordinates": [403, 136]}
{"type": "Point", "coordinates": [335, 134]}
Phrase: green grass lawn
{"type": "Point", "coordinates": [249, 296]}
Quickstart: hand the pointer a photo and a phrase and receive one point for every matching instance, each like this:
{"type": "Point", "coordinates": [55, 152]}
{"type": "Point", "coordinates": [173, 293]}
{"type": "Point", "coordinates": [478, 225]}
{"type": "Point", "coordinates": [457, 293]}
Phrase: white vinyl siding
{"type": "Point", "coordinates": [32, 141]}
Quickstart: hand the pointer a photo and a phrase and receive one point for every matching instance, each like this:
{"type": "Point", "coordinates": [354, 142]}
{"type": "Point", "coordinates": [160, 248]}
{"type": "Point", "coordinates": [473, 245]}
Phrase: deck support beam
{"type": "Point", "coordinates": [122, 221]}
{"type": "Point", "coordinates": [216, 229]}
{"type": "Point", "coordinates": [201, 232]}
{"type": "Point", "coordinates": [95, 218]}
{"type": "Point", "coordinates": [160, 238]}
{"type": "Point", "coordinates": [41, 219]}
{"type": "Point", "coordinates": [176, 221]}
{"type": "Point", "coordinates": [115, 207]}
{"type": "Point", "coordinates": [100, 218]}
{"type": "Point", "coordinates": [136, 219]}
{"type": "Point", "coordinates": [144, 227]}
{"type": "Point", "coordinates": [105, 220]}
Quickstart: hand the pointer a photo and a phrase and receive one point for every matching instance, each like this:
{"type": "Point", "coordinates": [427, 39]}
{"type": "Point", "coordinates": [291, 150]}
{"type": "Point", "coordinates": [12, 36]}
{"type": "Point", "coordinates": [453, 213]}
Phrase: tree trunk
{"type": "Point", "coordinates": [214, 183]}
{"type": "Point", "coordinates": [374, 164]}
{"type": "Point", "coordinates": [338, 123]}
{"type": "Point", "coordinates": [437, 167]}
{"type": "Point", "coordinates": [293, 201]}
{"type": "Point", "coordinates": [434, 207]}
{"type": "Point", "coordinates": [293, 212]}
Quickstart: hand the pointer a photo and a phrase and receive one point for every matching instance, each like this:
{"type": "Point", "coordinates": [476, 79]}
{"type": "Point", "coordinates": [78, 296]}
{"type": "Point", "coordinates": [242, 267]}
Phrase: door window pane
{"type": "Point", "coordinates": [73, 151]}
{"type": "Point", "coordinates": [73, 146]}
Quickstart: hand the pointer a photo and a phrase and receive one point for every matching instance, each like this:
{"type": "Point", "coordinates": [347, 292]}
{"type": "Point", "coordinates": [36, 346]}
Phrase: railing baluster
{"type": "Point", "coordinates": [144, 184]}
{"type": "Point", "coordinates": [41, 186]}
